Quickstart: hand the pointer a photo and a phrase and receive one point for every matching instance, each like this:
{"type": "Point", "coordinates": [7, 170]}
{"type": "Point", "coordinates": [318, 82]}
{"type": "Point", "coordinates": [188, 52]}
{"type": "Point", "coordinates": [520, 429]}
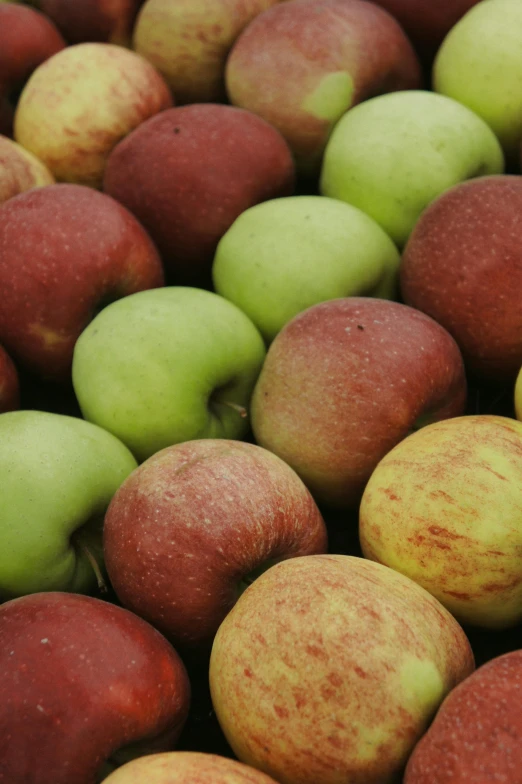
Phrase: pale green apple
{"type": "Point", "coordinates": [480, 64]}
{"type": "Point", "coordinates": [285, 255]}
{"type": "Point", "coordinates": [57, 476]}
{"type": "Point", "coordinates": [168, 365]}
{"type": "Point", "coordinates": [393, 155]}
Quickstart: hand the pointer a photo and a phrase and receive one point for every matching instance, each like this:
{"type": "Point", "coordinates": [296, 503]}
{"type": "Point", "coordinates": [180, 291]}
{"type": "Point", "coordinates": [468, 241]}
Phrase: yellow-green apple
{"type": "Point", "coordinates": [58, 474]}
{"type": "Point", "coordinates": [109, 21]}
{"type": "Point", "coordinates": [81, 102]}
{"type": "Point", "coordinates": [462, 265]}
{"type": "Point", "coordinates": [443, 507]}
{"type": "Point", "coordinates": [168, 365]}
{"type": "Point", "coordinates": [480, 64]}
{"type": "Point", "coordinates": [202, 517]}
{"type": "Point", "coordinates": [394, 154]}
{"type": "Point", "coordinates": [65, 250]}
{"type": "Point", "coordinates": [477, 732]}
{"type": "Point", "coordinates": [338, 52]}
{"type": "Point", "coordinates": [9, 383]}
{"type": "Point", "coordinates": [84, 685]}
{"type": "Point", "coordinates": [20, 170]}
{"type": "Point", "coordinates": [345, 661]}
{"type": "Point", "coordinates": [285, 255]}
{"type": "Point", "coordinates": [188, 42]}
{"type": "Point", "coordinates": [346, 380]}
{"type": "Point", "coordinates": [187, 767]}
{"type": "Point", "coordinates": [189, 172]}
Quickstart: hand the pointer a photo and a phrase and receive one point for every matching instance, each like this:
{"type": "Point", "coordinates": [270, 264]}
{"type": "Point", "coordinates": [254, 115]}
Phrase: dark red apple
{"type": "Point", "coordinates": [82, 679]}
{"type": "Point", "coordinates": [65, 251]}
{"type": "Point", "coordinates": [9, 384]}
{"type": "Point", "coordinates": [187, 174]}
{"type": "Point", "coordinates": [109, 21]}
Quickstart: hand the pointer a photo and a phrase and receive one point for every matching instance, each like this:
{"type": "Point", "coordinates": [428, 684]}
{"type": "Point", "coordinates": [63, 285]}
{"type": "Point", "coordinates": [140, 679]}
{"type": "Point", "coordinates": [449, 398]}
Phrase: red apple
{"type": "Point", "coordinates": [81, 680]}
{"type": "Point", "coordinates": [346, 380]}
{"type": "Point", "coordinates": [65, 251]}
{"type": "Point", "coordinates": [20, 170]}
{"type": "Point", "coordinates": [110, 21]}
{"type": "Point", "coordinates": [463, 266]}
{"type": "Point", "coordinates": [189, 172]}
{"type": "Point", "coordinates": [193, 521]}
{"type": "Point", "coordinates": [9, 384]}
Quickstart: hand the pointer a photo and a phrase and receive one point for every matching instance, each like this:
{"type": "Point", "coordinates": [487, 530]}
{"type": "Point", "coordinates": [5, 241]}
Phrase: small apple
{"type": "Point", "coordinates": [81, 102]}
{"type": "Point", "coordinates": [338, 52]}
{"type": "Point", "coordinates": [81, 679]}
{"type": "Point", "coordinates": [346, 380]}
{"type": "Point", "coordinates": [108, 21]}
{"type": "Point", "coordinates": [9, 383]}
{"type": "Point", "coordinates": [57, 474]}
{"type": "Point", "coordinates": [285, 255]}
{"type": "Point", "coordinates": [477, 732]}
{"type": "Point", "coordinates": [20, 170]}
{"type": "Point", "coordinates": [329, 668]}
{"type": "Point", "coordinates": [189, 172]}
{"type": "Point", "coordinates": [168, 365]}
{"type": "Point", "coordinates": [443, 508]}
{"type": "Point", "coordinates": [394, 154]}
{"type": "Point", "coordinates": [65, 250]}
{"type": "Point", "coordinates": [462, 266]}
{"type": "Point", "coordinates": [201, 517]}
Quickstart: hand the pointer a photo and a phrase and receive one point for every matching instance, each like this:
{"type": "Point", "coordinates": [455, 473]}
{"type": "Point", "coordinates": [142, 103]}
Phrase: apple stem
{"type": "Point", "coordinates": [241, 410]}
{"type": "Point", "coordinates": [102, 585]}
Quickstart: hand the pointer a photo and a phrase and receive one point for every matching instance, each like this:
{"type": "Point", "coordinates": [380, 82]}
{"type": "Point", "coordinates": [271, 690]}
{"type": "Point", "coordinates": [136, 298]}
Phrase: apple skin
{"type": "Point", "coordinates": [20, 170]}
{"type": "Point", "coordinates": [82, 678]}
{"type": "Point", "coordinates": [58, 474]}
{"type": "Point", "coordinates": [443, 507]}
{"type": "Point", "coordinates": [9, 384]}
{"type": "Point", "coordinates": [188, 42]}
{"type": "Point", "coordinates": [107, 21]}
{"type": "Point", "coordinates": [201, 516]}
{"type": "Point", "coordinates": [325, 45]}
{"type": "Point", "coordinates": [331, 248]}
{"type": "Point", "coordinates": [99, 93]}
{"type": "Point", "coordinates": [189, 172]}
{"type": "Point", "coordinates": [462, 266]}
{"type": "Point", "coordinates": [393, 155]}
{"type": "Point", "coordinates": [345, 660]}
{"type": "Point", "coordinates": [65, 250]}
{"type": "Point", "coordinates": [345, 381]}
{"type": "Point", "coordinates": [479, 64]}
{"type": "Point", "coordinates": [168, 365]}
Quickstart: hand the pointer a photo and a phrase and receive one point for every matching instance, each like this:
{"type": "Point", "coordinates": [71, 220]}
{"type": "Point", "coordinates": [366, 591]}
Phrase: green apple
{"type": "Point", "coordinates": [168, 365]}
{"type": "Point", "coordinates": [480, 65]}
{"type": "Point", "coordinates": [58, 475]}
{"type": "Point", "coordinates": [285, 255]}
{"type": "Point", "coordinates": [393, 155]}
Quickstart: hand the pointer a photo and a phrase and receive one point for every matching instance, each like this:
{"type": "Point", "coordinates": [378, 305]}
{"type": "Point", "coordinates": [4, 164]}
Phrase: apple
{"type": "Point", "coordinates": [330, 667]}
{"type": "Point", "coordinates": [168, 365]}
{"type": "Point", "coordinates": [285, 255]}
{"type": "Point", "coordinates": [189, 172]}
{"type": "Point", "coordinates": [394, 154]}
{"type": "Point", "coordinates": [82, 678]}
{"type": "Point", "coordinates": [201, 517]}
{"type": "Point", "coordinates": [346, 380]}
{"type": "Point", "coordinates": [9, 383]}
{"type": "Point", "coordinates": [20, 170]}
{"type": "Point", "coordinates": [81, 102]}
{"type": "Point", "coordinates": [338, 53]}
{"type": "Point", "coordinates": [443, 508]}
{"type": "Point", "coordinates": [477, 732]}
{"type": "Point", "coordinates": [480, 65]}
{"type": "Point", "coordinates": [108, 21]}
{"type": "Point", "coordinates": [462, 266]}
{"type": "Point", "coordinates": [58, 474]}
{"type": "Point", "coordinates": [65, 250]}
{"type": "Point", "coordinates": [189, 42]}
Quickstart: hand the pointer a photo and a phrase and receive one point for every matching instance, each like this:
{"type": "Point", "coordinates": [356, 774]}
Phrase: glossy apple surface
{"type": "Point", "coordinates": [9, 383]}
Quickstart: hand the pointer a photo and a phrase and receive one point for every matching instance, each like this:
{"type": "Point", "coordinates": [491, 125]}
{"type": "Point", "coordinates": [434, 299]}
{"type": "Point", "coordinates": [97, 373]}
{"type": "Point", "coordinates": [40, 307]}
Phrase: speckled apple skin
{"type": "Point", "coordinates": [65, 250]}
{"type": "Point", "coordinates": [189, 172]}
{"type": "Point", "coordinates": [339, 52]}
{"type": "Point", "coordinates": [196, 518]}
{"type": "Point", "coordinates": [9, 384]}
{"type": "Point", "coordinates": [344, 382]}
{"type": "Point", "coordinates": [445, 507]}
{"type": "Point", "coordinates": [80, 679]}
{"type": "Point", "coordinates": [187, 767]}
{"type": "Point", "coordinates": [463, 266]}
{"type": "Point", "coordinates": [107, 21]}
{"type": "Point", "coordinates": [20, 170]}
{"type": "Point", "coordinates": [345, 660]}
{"type": "Point", "coordinates": [477, 733]}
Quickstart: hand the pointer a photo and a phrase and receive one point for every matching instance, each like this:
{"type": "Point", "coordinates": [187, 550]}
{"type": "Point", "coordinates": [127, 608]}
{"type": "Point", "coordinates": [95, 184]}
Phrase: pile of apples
{"type": "Point", "coordinates": [260, 391]}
